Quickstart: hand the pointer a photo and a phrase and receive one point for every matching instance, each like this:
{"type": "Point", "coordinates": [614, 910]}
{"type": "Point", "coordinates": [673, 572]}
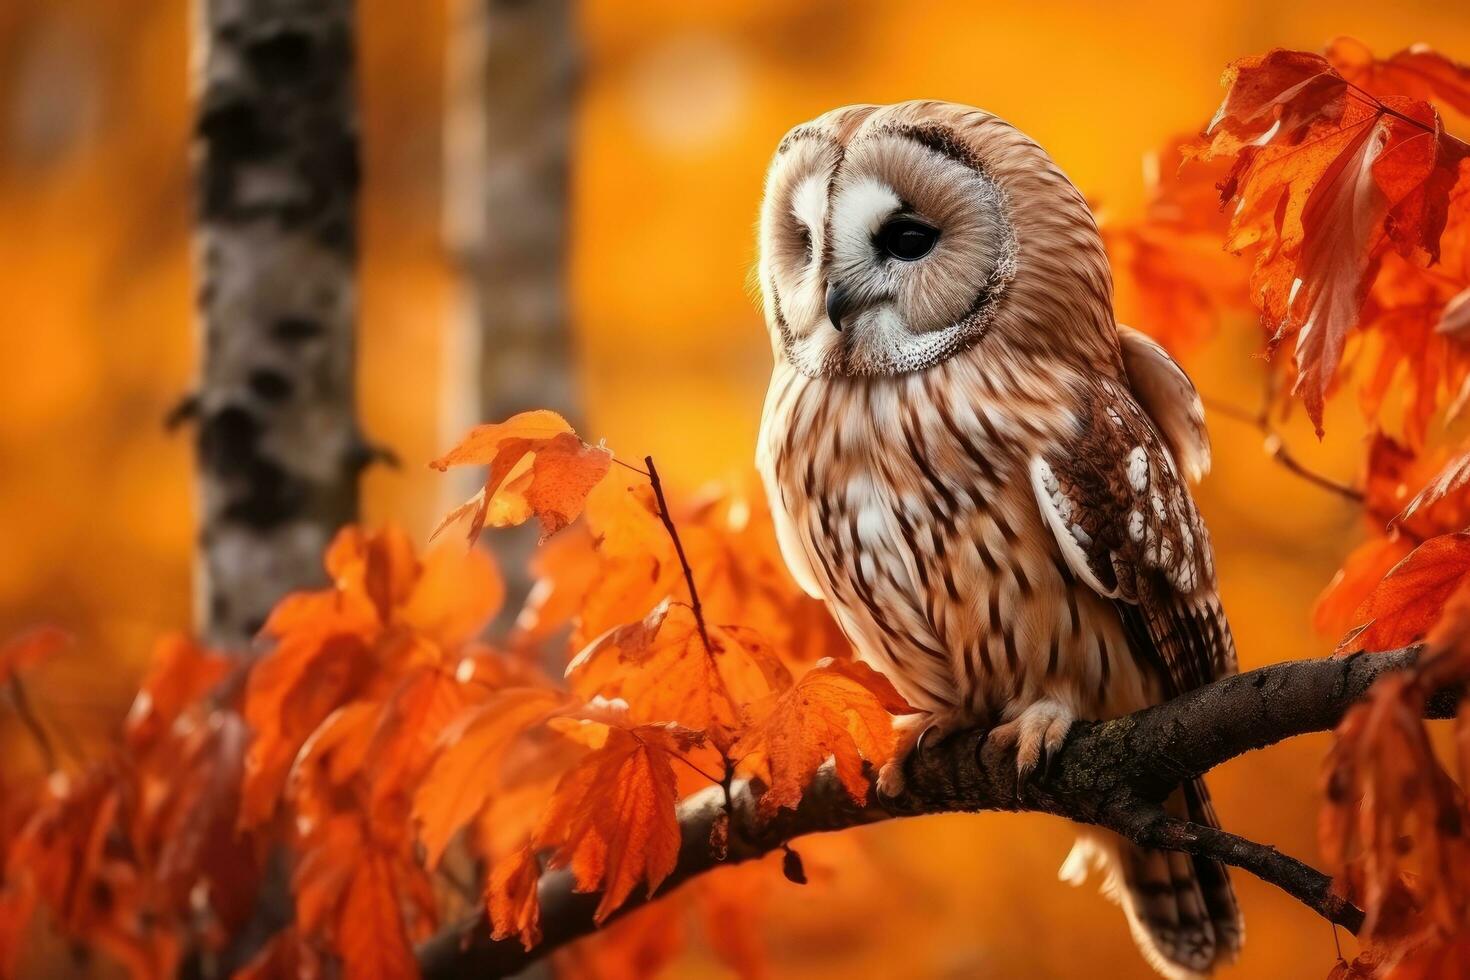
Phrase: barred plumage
{"type": "Point", "coordinates": [983, 479]}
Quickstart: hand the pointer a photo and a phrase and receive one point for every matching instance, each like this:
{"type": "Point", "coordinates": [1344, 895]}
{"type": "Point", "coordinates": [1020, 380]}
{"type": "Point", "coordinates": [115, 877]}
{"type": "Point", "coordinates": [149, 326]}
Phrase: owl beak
{"type": "Point", "coordinates": [839, 304]}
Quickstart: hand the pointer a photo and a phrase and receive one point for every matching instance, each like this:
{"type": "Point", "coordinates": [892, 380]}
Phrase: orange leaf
{"type": "Point", "coordinates": [182, 671]}
{"type": "Point", "coordinates": [838, 709]}
{"type": "Point", "coordinates": [456, 595]}
{"type": "Point", "coordinates": [380, 566]}
{"type": "Point", "coordinates": [1451, 480]}
{"type": "Point", "coordinates": [1326, 178]}
{"type": "Point", "coordinates": [285, 957]}
{"type": "Point", "coordinates": [468, 768]}
{"type": "Point", "coordinates": [612, 818]}
{"type": "Point", "coordinates": [565, 471]}
{"type": "Point", "coordinates": [410, 723]}
{"type": "Point", "coordinates": [486, 443]}
{"type": "Point", "coordinates": [351, 890]}
{"type": "Point", "coordinates": [290, 693]}
{"type": "Point", "coordinates": [1336, 609]}
{"type": "Point", "coordinates": [370, 934]}
{"type": "Point", "coordinates": [1412, 596]}
{"type": "Point", "coordinates": [1172, 280]}
{"type": "Point", "coordinates": [661, 668]}
{"type": "Point", "coordinates": [30, 648]}
{"type": "Point", "coordinates": [511, 899]}
{"type": "Point", "coordinates": [1416, 73]}
{"type": "Point", "coordinates": [562, 471]}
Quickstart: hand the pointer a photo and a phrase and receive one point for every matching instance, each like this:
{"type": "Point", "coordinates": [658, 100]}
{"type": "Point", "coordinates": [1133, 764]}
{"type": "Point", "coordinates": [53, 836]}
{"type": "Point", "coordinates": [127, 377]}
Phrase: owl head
{"type": "Point", "coordinates": [895, 237]}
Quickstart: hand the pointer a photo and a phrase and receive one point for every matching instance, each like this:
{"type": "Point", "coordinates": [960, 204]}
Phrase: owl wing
{"type": "Point", "coordinates": [1127, 526]}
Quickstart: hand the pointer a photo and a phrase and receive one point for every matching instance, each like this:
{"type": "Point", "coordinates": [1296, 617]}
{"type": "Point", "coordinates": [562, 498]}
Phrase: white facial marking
{"type": "Point", "coordinates": [809, 205]}
{"type": "Point", "coordinates": [857, 214]}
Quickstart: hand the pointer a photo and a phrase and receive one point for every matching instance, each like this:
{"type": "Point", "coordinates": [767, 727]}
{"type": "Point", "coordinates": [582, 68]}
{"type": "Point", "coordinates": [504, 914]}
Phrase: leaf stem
{"type": "Point", "coordinates": [663, 514]}
{"type": "Point", "coordinates": [698, 609]}
{"type": "Point", "coordinates": [1387, 110]}
{"type": "Point", "coordinates": [630, 466]}
{"type": "Point", "coordinates": [32, 723]}
{"type": "Point", "coordinates": [713, 779]}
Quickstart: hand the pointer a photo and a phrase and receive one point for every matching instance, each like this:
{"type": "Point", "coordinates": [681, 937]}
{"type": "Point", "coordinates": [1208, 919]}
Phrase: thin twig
{"type": "Point", "coordinates": [1304, 883]}
{"type": "Point", "coordinates": [698, 608]}
{"type": "Point", "coordinates": [630, 466]}
{"type": "Point", "coordinates": [1230, 411]}
{"type": "Point", "coordinates": [1378, 103]}
{"type": "Point", "coordinates": [32, 723]}
{"type": "Point", "coordinates": [663, 514]}
{"type": "Point", "coordinates": [1276, 448]}
{"type": "Point", "coordinates": [714, 780]}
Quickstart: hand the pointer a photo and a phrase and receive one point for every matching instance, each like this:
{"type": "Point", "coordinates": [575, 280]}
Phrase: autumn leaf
{"type": "Point", "coordinates": [612, 818]}
{"type": "Point", "coordinates": [371, 937]}
{"type": "Point", "coordinates": [188, 814]}
{"type": "Point", "coordinates": [392, 629]}
{"type": "Point", "coordinates": [1172, 278]}
{"type": "Point", "coordinates": [408, 727]}
{"type": "Point", "coordinates": [381, 566]}
{"type": "Point", "coordinates": [455, 596]}
{"type": "Point", "coordinates": [1418, 72]}
{"type": "Point", "coordinates": [26, 650]}
{"type": "Point", "coordinates": [348, 888]}
{"type": "Point", "coordinates": [289, 694]}
{"type": "Point", "coordinates": [662, 668]}
{"type": "Point", "coordinates": [468, 766]}
{"type": "Point", "coordinates": [1336, 609]}
{"type": "Point", "coordinates": [1412, 596]}
{"type": "Point", "coordinates": [1452, 480]}
{"type": "Point", "coordinates": [181, 672]}
{"type": "Point", "coordinates": [1326, 178]}
{"type": "Point", "coordinates": [839, 709]}
{"type": "Point", "coordinates": [285, 957]}
{"type": "Point", "coordinates": [537, 466]}
{"type": "Point", "coordinates": [511, 900]}
{"type": "Point", "coordinates": [1400, 510]}
{"type": "Point", "coordinates": [1393, 822]}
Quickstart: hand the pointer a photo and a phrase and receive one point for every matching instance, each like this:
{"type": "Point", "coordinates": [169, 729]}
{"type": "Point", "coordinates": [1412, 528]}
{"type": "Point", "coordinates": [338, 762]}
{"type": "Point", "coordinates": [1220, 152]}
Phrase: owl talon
{"type": "Point", "coordinates": [891, 780]}
{"type": "Point", "coordinates": [1036, 736]}
{"type": "Point", "coordinates": [933, 734]}
{"type": "Point", "coordinates": [915, 732]}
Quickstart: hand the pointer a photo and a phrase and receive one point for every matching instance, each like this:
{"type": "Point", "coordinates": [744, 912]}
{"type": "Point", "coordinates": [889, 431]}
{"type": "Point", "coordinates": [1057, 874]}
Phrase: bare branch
{"type": "Point", "coordinates": [1113, 774]}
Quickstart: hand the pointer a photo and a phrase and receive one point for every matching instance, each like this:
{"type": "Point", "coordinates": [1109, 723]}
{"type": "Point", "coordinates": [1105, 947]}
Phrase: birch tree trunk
{"type": "Point", "coordinates": [511, 80]}
{"type": "Point", "coordinates": [277, 174]}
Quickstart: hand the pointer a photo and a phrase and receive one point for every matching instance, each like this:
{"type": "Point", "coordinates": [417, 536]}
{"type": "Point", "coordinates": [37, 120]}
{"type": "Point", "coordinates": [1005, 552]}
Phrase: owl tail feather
{"type": "Point", "coordinates": [1181, 909]}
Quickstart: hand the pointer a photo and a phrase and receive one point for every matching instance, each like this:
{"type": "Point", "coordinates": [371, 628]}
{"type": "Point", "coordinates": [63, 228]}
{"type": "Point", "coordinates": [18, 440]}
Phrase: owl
{"type": "Point", "coordinates": [981, 472]}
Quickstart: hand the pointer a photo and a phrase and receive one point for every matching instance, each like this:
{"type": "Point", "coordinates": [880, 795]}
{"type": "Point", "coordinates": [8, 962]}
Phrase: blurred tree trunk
{"type": "Point", "coordinates": [512, 68]}
{"type": "Point", "coordinates": [279, 451]}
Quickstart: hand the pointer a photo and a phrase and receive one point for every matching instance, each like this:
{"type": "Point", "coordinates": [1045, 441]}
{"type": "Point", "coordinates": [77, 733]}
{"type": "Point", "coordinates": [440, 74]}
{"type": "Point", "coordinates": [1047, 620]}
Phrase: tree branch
{"type": "Point", "coordinates": [1113, 774]}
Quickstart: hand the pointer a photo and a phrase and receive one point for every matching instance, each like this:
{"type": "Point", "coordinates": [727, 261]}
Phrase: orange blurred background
{"type": "Point", "coordinates": [681, 105]}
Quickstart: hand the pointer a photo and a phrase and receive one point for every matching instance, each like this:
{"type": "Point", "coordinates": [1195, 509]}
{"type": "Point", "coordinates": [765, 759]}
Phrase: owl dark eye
{"type": "Point", "coordinates": [906, 239]}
